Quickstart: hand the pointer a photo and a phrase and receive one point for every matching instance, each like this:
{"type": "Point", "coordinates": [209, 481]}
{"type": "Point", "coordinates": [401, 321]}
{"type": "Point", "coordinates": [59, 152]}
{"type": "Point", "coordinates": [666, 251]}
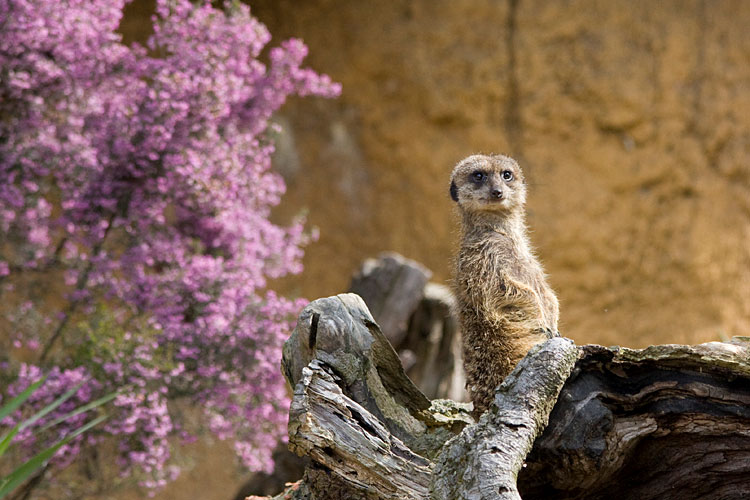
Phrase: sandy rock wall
{"type": "Point", "coordinates": [631, 119]}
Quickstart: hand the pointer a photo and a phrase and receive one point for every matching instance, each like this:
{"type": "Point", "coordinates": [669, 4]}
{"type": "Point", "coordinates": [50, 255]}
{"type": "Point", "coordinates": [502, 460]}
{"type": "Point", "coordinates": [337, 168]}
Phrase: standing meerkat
{"type": "Point", "coordinates": [505, 305]}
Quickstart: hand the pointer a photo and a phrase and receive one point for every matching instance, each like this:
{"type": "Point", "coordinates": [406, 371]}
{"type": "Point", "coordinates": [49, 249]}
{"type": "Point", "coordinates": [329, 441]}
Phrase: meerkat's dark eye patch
{"type": "Point", "coordinates": [478, 176]}
{"type": "Point", "coordinates": [507, 175]}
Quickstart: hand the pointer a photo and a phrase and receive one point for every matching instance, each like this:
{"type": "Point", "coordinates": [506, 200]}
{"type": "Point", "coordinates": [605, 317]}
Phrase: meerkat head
{"type": "Point", "coordinates": [482, 183]}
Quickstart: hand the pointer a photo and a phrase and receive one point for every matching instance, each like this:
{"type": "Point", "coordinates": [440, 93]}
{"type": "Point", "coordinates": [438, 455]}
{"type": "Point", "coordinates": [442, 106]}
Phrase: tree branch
{"type": "Point", "coordinates": [81, 283]}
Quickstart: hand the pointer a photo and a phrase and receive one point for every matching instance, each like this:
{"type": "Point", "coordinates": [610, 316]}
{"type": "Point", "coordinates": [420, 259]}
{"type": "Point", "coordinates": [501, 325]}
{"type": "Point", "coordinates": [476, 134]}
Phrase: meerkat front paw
{"type": "Point", "coordinates": [549, 332]}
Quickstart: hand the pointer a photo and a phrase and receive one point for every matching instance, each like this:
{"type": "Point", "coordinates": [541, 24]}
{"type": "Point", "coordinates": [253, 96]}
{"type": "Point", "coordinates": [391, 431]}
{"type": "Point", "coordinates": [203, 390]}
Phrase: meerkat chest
{"type": "Point", "coordinates": [498, 255]}
{"type": "Point", "coordinates": [490, 265]}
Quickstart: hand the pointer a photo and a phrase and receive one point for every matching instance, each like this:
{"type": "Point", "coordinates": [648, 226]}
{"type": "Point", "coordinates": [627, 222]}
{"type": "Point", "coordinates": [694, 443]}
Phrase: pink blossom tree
{"type": "Point", "coordinates": [140, 176]}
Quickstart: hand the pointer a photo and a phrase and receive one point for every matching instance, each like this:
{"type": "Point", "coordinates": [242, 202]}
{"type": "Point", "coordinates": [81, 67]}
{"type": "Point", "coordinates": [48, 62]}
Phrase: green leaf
{"type": "Point", "coordinates": [50, 407]}
{"type": "Point", "coordinates": [82, 409]}
{"type": "Point", "coordinates": [14, 403]}
{"type": "Point", "coordinates": [28, 468]}
{"type": "Point", "coordinates": [6, 439]}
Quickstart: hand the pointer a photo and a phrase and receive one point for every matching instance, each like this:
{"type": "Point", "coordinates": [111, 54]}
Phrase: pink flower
{"type": "Point", "coordinates": [147, 182]}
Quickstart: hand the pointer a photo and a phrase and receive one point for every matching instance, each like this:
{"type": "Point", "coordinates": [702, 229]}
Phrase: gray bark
{"type": "Point", "coordinates": [418, 320]}
{"type": "Point", "coordinates": [368, 429]}
{"type": "Point", "coordinates": [433, 346]}
{"type": "Point", "coordinates": [667, 422]}
{"type": "Point", "coordinates": [484, 460]}
{"type": "Point", "coordinates": [391, 286]}
{"type": "Point", "coordinates": [337, 339]}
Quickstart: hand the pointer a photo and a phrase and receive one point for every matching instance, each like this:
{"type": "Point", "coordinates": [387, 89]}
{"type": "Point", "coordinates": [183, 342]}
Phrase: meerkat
{"type": "Point", "coordinates": [505, 305]}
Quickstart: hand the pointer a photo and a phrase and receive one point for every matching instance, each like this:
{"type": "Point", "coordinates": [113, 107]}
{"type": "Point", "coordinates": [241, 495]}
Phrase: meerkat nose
{"type": "Point", "coordinates": [496, 193]}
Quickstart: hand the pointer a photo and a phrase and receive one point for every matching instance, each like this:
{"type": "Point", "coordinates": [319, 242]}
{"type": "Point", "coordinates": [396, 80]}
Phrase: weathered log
{"type": "Point", "coordinates": [484, 460]}
{"type": "Point", "coordinates": [418, 320]}
{"type": "Point", "coordinates": [354, 411]}
{"type": "Point", "coordinates": [343, 436]}
{"type": "Point", "coordinates": [391, 286]}
{"type": "Point", "coordinates": [371, 432]}
{"type": "Point", "coordinates": [664, 422]}
{"type": "Point", "coordinates": [433, 341]}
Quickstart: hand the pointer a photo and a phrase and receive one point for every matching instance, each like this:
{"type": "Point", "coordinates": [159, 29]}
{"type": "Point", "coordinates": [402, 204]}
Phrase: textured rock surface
{"type": "Point", "coordinates": [631, 119]}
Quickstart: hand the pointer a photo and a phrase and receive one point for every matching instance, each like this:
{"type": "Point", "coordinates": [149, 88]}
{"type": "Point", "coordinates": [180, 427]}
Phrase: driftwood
{"type": "Point", "coordinates": [417, 319]}
{"type": "Point", "coordinates": [391, 286]}
{"type": "Point", "coordinates": [433, 342]}
{"type": "Point", "coordinates": [368, 428]}
{"type": "Point", "coordinates": [668, 422]}
{"type": "Point", "coordinates": [374, 435]}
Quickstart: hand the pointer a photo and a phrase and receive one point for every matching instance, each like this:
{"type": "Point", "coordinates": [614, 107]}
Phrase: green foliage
{"type": "Point", "coordinates": [24, 471]}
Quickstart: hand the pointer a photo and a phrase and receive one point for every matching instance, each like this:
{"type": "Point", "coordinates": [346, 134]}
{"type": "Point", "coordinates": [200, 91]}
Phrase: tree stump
{"type": "Point", "coordinates": [418, 319]}
{"type": "Point", "coordinates": [433, 341]}
{"type": "Point", "coordinates": [391, 286]}
{"type": "Point", "coordinates": [664, 422]}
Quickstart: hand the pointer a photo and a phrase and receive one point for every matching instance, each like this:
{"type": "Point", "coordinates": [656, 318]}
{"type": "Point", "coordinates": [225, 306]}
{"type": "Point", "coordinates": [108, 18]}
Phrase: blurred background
{"type": "Point", "coordinates": [631, 121]}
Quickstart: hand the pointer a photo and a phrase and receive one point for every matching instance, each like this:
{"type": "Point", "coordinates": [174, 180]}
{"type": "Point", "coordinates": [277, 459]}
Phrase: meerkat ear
{"type": "Point", "coordinates": [454, 191]}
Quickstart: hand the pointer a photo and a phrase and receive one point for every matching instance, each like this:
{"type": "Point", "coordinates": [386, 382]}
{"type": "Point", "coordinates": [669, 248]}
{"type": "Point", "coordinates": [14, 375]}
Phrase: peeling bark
{"type": "Point", "coordinates": [484, 460]}
{"type": "Point", "coordinates": [668, 422]}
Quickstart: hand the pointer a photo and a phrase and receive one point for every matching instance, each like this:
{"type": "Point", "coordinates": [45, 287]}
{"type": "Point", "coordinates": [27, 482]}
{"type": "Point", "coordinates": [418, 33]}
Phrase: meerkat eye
{"type": "Point", "coordinates": [507, 175]}
{"type": "Point", "coordinates": [478, 176]}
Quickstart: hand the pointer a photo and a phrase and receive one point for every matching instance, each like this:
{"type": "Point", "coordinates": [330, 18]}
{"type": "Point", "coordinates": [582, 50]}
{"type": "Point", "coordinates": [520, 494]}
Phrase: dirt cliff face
{"type": "Point", "coordinates": [631, 119]}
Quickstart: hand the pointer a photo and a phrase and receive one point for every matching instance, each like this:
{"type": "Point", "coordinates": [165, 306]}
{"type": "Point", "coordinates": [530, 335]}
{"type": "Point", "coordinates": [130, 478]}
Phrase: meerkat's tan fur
{"type": "Point", "coordinates": [505, 304]}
